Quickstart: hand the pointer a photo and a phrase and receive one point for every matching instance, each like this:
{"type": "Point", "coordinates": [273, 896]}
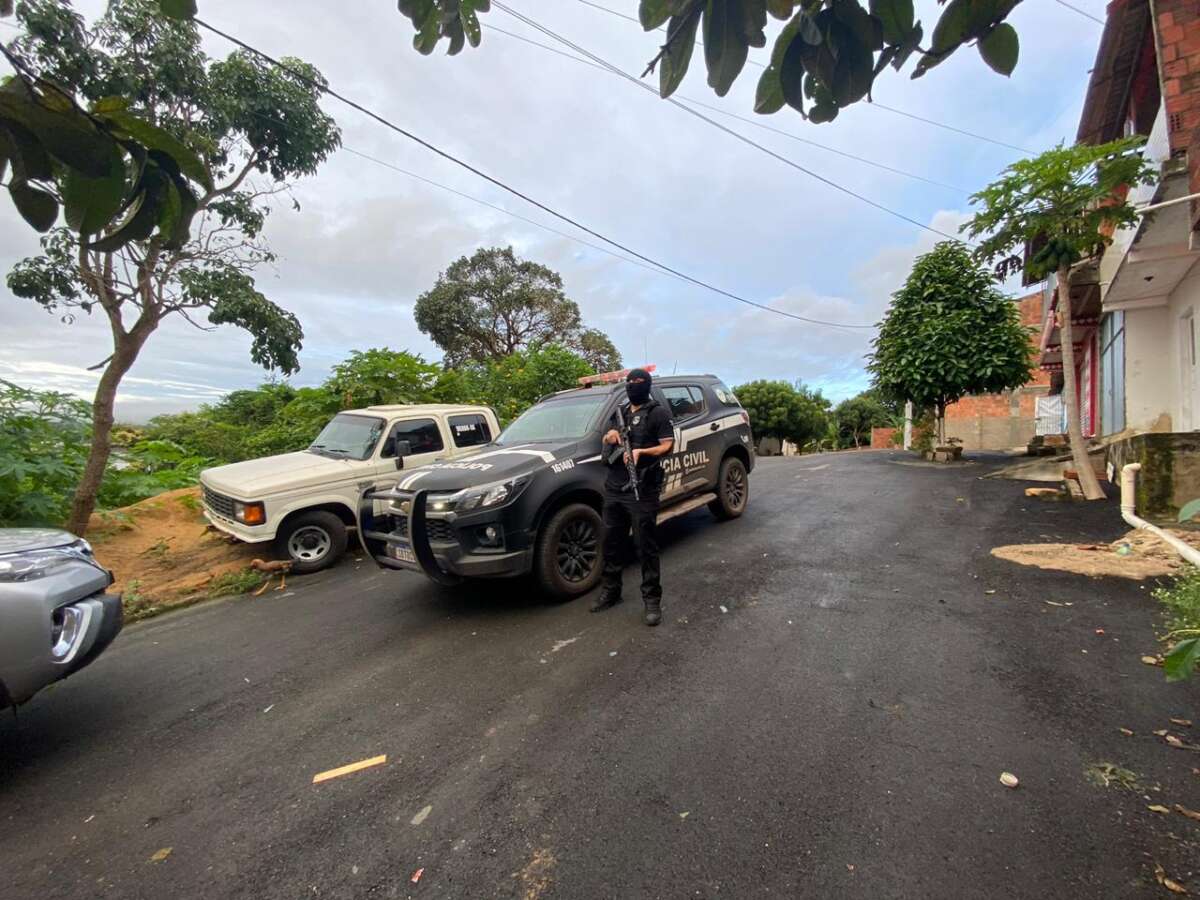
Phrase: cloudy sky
{"type": "Point", "coordinates": [368, 239]}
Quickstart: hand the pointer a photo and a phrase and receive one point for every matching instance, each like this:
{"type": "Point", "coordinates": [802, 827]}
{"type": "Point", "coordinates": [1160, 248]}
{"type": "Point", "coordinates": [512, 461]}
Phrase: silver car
{"type": "Point", "coordinates": [55, 614]}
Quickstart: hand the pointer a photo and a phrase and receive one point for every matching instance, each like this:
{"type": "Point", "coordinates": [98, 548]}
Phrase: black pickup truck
{"type": "Point", "coordinates": [530, 501]}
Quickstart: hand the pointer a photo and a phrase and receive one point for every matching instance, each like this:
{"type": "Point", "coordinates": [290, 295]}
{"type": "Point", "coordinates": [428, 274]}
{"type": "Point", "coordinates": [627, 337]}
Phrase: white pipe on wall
{"type": "Point", "coordinates": [1129, 514]}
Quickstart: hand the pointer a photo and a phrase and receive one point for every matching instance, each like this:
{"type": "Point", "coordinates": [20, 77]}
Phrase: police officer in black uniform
{"type": "Point", "coordinates": [651, 436]}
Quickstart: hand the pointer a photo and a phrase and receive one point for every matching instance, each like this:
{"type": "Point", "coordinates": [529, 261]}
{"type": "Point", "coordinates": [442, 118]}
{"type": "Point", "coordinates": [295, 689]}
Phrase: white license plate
{"type": "Point", "coordinates": [402, 552]}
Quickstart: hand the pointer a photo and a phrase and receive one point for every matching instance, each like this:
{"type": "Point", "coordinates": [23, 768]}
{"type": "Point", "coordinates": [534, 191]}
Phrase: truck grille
{"type": "Point", "coordinates": [439, 530]}
{"type": "Point", "coordinates": [217, 503]}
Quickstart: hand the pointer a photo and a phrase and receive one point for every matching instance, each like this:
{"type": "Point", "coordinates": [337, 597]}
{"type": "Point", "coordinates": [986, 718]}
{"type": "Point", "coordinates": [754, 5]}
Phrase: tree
{"type": "Point", "coordinates": [1069, 200]}
{"type": "Point", "coordinates": [825, 58]}
{"type": "Point", "coordinates": [949, 332]}
{"type": "Point", "coordinates": [373, 377]}
{"type": "Point", "coordinates": [492, 304]}
{"type": "Point", "coordinates": [514, 383]}
{"type": "Point", "coordinates": [782, 411]}
{"type": "Point", "coordinates": [829, 53]}
{"type": "Point", "coordinates": [856, 417]}
{"type": "Point", "coordinates": [254, 127]}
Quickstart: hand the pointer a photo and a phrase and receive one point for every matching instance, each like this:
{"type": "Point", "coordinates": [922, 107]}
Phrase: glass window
{"type": "Point", "coordinates": [725, 395]}
{"type": "Point", "coordinates": [1112, 373]}
{"type": "Point", "coordinates": [423, 436]}
{"type": "Point", "coordinates": [348, 437]}
{"type": "Point", "coordinates": [556, 420]}
{"type": "Point", "coordinates": [470, 431]}
{"type": "Point", "coordinates": [684, 400]}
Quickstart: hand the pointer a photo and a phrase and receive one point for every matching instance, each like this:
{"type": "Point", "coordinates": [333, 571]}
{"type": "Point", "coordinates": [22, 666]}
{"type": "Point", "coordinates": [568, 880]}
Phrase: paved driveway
{"type": "Point", "coordinates": [837, 730]}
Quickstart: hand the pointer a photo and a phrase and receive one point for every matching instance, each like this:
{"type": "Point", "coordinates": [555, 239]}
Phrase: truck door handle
{"type": "Point", "coordinates": [714, 426]}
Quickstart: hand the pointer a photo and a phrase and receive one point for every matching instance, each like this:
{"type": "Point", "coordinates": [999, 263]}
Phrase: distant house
{"type": "Point", "coordinates": [1007, 420]}
{"type": "Point", "coordinates": [1134, 309]}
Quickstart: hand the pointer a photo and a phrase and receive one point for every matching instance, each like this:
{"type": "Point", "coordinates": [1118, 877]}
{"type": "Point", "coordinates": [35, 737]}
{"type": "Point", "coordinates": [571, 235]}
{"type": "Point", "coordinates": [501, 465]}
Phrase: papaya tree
{"type": "Point", "coordinates": [1067, 202]}
{"type": "Point", "coordinates": [250, 128]}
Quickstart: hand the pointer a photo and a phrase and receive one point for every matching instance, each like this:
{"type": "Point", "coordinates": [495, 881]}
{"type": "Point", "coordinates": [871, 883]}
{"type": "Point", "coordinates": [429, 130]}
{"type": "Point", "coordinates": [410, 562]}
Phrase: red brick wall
{"type": "Point", "coordinates": [1177, 31]}
{"type": "Point", "coordinates": [882, 438]}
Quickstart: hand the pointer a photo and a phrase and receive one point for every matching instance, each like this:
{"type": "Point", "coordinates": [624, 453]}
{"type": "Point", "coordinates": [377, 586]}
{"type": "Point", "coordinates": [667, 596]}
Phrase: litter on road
{"type": "Point", "coordinates": [160, 855]}
{"type": "Point", "coordinates": [346, 770]}
{"type": "Point", "coordinates": [416, 876]}
{"type": "Point", "coordinates": [422, 815]}
{"type": "Point", "coordinates": [1009, 780]}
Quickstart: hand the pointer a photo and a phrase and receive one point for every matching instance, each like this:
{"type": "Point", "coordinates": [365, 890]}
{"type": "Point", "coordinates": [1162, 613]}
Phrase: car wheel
{"type": "Point", "coordinates": [733, 490]}
{"type": "Point", "coordinates": [569, 557]}
{"type": "Point", "coordinates": [312, 541]}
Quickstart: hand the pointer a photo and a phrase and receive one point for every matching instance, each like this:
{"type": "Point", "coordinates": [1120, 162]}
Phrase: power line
{"type": "Point", "coordinates": [748, 121]}
{"type": "Point", "coordinates": [324, 88]}
{"type": "Point", "coordinates": [1084, 13]}
{"type": "Point", "coordinates": [874, 103]}
{"type": "Point", "coordinates": [715, 124]}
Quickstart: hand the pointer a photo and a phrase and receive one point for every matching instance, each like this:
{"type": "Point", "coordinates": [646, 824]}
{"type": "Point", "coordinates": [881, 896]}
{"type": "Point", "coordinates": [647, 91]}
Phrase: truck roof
{"type": "Point", "coordinates": [620, 385]}
{"type": "Point", "coordinates": [421, 408]}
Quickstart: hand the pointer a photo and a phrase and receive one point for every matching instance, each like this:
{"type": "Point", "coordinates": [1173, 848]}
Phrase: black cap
{"type": "Point", "coordinates": [638, 373]}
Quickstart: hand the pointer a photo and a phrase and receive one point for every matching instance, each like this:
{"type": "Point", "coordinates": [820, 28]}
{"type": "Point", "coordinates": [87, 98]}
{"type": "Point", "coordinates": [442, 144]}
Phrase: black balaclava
{"type": "Point", "coordinates": [638, 393]}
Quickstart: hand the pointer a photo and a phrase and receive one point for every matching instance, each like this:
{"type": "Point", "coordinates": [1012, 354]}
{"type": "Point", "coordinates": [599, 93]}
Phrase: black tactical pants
{"type": "Point", "coordinates": [620, 512]}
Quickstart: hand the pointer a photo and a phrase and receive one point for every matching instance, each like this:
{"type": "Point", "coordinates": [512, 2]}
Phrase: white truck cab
{"type": "Point", "coordinates": [304, 502]}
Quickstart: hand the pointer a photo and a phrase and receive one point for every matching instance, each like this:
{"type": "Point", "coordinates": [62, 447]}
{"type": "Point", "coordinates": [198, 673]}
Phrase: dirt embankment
{"type": "Point", "coordinates": [163, 553]}
{"type": "Point", "coordinates": [1138, 555]}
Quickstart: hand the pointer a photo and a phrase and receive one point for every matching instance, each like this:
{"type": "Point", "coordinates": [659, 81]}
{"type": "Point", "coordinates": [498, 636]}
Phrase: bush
{"type": "Point", "coordinates": [44, 439]}
{"type": "Point", "coordinates": [1182, 600]}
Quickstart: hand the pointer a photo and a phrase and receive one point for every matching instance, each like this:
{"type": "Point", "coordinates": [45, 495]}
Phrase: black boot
{"type": "Point", "coordinates": [606, 600]}
{"type": "Point", "coordinates": [653, 612]}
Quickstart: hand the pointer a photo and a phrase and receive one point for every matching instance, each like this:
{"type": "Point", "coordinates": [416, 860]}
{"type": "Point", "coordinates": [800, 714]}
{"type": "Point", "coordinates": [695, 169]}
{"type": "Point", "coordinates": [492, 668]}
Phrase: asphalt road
{"type": "Point", "coordinates": [839, 731]}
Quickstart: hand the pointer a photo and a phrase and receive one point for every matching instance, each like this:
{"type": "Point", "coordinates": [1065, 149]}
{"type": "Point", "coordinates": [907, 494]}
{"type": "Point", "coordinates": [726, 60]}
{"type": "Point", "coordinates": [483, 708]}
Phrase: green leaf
{"type": "Point", "coordinates": [470, 24]}
{"type": "Point", "coordinates": [781, 9]}
{"type": "Point", "coordinates": [139, 223]}
{"type": "Point", "coordinates": [953, 26]}
{"type": "Point", "coordinates": [36, 207]}
{"type": "Point", "coordinates": [768, 98]}
{"type": "Point", "coordinates": [90, 204]}
{"type": "Point", "coordinates": [791, 76]}
{"type": "Point", "coordinates": [1189, 510]}
{"type": "Point", "coordinates": [753, 22]}
{"type": "Point", "coordinates": [155, 138]}
{"type": "Point", "coordinates": [110, 105]}
{"type": "Point", "coordinates": [179, 9]}
{"type": "Point", "coordinates": [170, 210]}
{"type": "Point", "coordinates": [896, 17]}
{"type": "Point", "coordinates": [868, 30]}
{"type": "Point", "coordinates": [725, 49]}
{"type": "Point", "coordinates": [652, 13]}
{"type": "Point", "coordinates": [29, 159]}
{"type": "Point", "coordinates": [1000, 48]}
{"type": "Point", "coordinates": [428, 32]}
{"type": "Point", "coordinates": [1180, 663]}
{"type": "Point", "coordinates": [908, 47]}
{"type": "Point", "coordinates": [678, 56]}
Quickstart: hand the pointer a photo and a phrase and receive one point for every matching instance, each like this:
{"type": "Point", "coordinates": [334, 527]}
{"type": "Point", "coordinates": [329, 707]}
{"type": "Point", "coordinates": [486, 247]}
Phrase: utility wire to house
{"type": "Point", "coordinates": [873, 103]}
{"type": "Point", "coordinates": [324, 88]}
{"type": "Point", "coordinates": [632, 79]}
{"type": "Point", "coordinates": [1082, 12]}
{"type": "Point", "coordinates": [732, 115]}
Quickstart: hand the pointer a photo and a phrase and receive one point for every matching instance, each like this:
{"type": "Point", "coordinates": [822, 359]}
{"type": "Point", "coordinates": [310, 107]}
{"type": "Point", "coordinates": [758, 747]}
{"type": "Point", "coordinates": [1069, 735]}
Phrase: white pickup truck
{"type": "Point", "coordinates": [304, 502]}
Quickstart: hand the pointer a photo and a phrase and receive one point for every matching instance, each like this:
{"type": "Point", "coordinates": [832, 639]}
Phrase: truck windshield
{"type": "Point", "coordinates": [555, 420]}
{"type": "Point", "coordinates": [348, 437]}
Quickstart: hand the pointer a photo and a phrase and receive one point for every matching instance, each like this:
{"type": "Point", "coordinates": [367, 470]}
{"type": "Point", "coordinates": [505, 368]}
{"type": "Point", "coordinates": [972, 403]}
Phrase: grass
{"type": "Point", "coordinates": [1182, 599]}
{"type": "Point", "coordinates": [1105, 774]}
{"type": "Point", "coordinates": [239, 582]}
{"type": "Point", "coordinates": [136, 604]}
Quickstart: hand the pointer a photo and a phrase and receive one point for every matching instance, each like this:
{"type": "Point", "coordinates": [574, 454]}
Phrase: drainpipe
{"type": "Point", "coordinates": [1129, 514]}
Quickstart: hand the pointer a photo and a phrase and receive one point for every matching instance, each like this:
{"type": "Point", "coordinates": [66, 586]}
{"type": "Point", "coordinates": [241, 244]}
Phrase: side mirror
{"type": "Point", "coordinates": [403, 449]}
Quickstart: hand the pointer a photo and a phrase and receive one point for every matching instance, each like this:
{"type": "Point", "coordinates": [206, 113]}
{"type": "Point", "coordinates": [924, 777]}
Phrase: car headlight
{"type": "Point", "coordinates": [31, 565]}
{"type": "Point", "coordinates": [495, 494]}
{"type": "Point", "coordinates": [249, 513]}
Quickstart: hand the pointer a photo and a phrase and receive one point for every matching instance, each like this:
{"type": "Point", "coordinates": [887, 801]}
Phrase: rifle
{"type": "Point", "coordinates": [626, 451]}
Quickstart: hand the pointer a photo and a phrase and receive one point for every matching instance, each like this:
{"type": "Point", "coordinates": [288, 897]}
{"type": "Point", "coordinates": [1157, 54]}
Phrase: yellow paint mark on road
{"type": "Point", "coordinates": [346, 770]}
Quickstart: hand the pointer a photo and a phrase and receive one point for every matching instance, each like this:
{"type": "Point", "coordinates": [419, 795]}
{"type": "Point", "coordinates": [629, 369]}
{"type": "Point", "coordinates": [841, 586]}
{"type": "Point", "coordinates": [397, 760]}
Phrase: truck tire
{"type": "Point", "coordinates": [312, 540]}
{"type": "Point", "coordinates": [733, 490]}
{"type": "Point", "coordinates": [568, 560]}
